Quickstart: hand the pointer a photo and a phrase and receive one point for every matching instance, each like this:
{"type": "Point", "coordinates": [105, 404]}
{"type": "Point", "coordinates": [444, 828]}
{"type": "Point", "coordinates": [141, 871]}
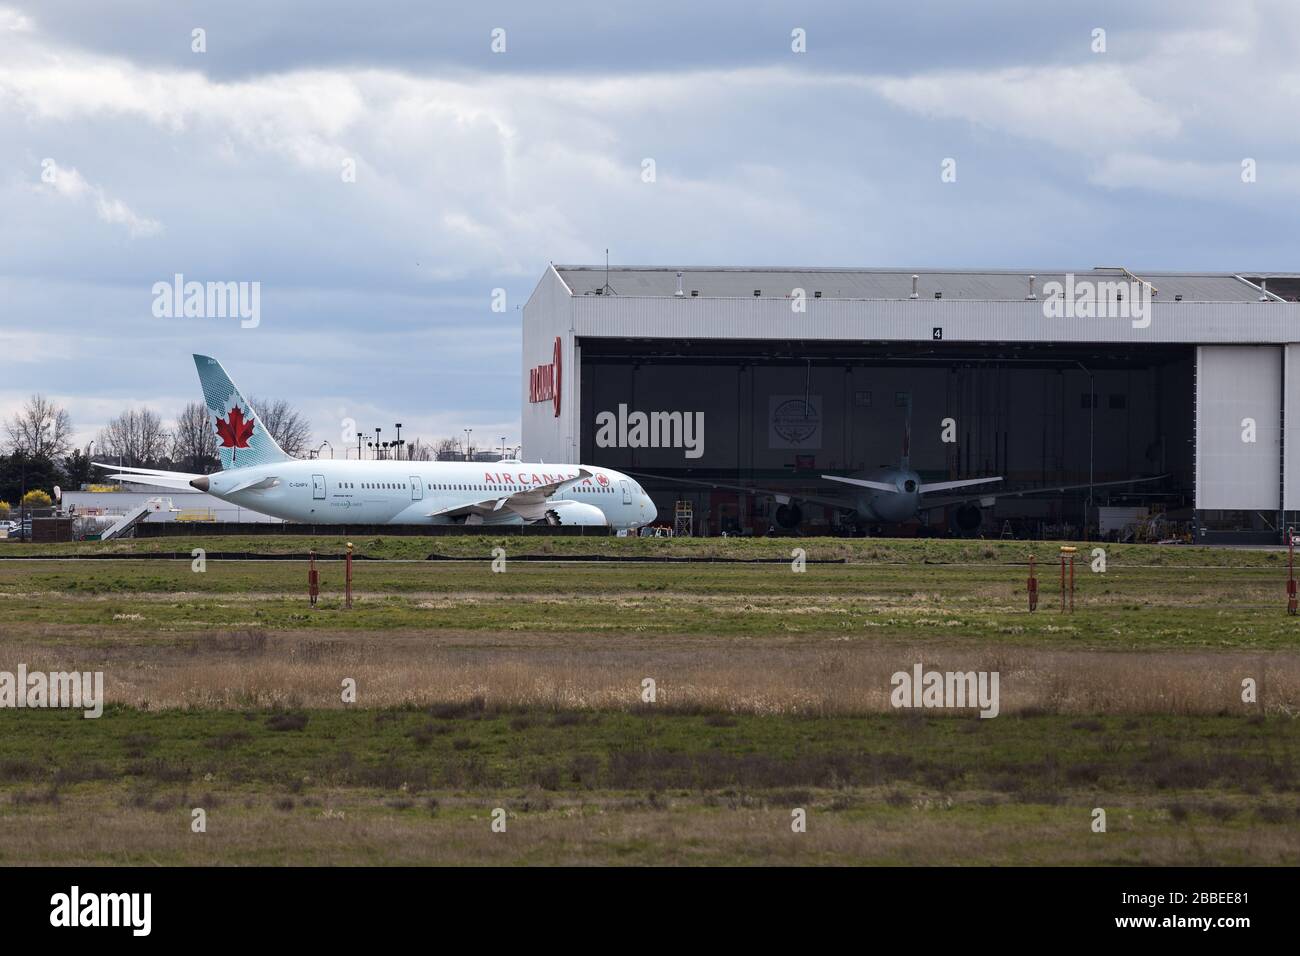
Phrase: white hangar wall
{"type": "Point", "coordinates": [1238, 464]}
{"type": "Point", "coordinates": [548, 316]}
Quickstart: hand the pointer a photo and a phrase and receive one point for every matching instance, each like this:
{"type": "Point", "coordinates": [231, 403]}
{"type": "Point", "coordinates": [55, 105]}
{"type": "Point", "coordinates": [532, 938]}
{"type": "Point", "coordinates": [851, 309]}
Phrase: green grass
{"type": "Point", "coordinates": [1227, 780]}
{"type": "Point", "coordinates": [898, 550]}
{"type": "Point", "coordinates": [646, 785]}
{"type": "Point", "coordinates": [1127, 606]}
{"type": "Point", "coordinates": [467, 746]}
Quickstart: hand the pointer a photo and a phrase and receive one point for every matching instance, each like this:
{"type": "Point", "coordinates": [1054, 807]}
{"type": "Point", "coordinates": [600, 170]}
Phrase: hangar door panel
{"type": "Point", "coordinates": [1238, 427]}
{"type": "Point", "coordinates": [1291, 489]}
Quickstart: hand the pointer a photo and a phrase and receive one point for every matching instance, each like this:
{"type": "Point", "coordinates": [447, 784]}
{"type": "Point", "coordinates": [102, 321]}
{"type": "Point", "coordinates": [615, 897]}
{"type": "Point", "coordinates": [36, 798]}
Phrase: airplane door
{"type": "Point", "coordinates": [627, 491]}
{"type": "Point", "coordinates": [318, 486]}
{"type": "Point", "coordinates": [417, 488]}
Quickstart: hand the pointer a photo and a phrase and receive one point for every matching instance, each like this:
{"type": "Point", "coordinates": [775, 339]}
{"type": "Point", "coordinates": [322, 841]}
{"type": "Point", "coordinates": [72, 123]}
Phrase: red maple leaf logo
{"type": "Point", "coordinates": [233, 430]}
{"type": "Point", "coordinates": [602, 479]}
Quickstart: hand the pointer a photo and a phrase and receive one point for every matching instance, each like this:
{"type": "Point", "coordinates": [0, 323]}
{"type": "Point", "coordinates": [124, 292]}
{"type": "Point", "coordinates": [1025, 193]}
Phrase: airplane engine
{"type": "Point", "coordinates": [574, 513]}
{"type": "Point", "coordinates": [969, 517]}
{"type": "Point", "coordinates": [788, 515]}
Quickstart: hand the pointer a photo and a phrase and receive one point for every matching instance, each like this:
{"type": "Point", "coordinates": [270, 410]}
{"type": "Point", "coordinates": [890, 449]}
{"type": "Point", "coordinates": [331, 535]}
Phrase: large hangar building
{"type": "Point", "coordinates": [772, 377]}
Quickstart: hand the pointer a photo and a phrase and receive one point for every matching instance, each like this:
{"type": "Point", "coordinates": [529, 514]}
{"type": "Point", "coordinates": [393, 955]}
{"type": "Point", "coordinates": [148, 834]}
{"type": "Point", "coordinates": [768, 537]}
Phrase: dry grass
{"type": "Point", "coordinates": [253, 668]}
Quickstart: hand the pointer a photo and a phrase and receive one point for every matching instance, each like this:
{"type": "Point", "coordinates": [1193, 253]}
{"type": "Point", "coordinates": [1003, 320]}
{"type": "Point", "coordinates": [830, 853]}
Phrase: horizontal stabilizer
{"type": "Point", "coordinates": [927, 487]}
{"type": "Point", "coordinates": [254, 484]}
{"type": "Point", "coordinates": [864, 483]}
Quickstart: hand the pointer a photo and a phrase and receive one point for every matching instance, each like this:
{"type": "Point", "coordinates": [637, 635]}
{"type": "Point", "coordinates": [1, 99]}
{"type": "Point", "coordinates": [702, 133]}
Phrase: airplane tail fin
{"type": "Point", "coordinates": [242, 438]}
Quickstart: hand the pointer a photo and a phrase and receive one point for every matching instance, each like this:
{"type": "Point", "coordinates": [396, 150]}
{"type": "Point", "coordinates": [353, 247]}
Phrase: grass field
{"type": "Point", "coordinates": [523, 690]}
{"type": "Point", "coordinates": [876, 550]}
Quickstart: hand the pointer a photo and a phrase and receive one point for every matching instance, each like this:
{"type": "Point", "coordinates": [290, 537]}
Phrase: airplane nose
{"type": "Point", "coordinates": [651, 512]}
{"type": "Point", "coordinates": [200, 483]}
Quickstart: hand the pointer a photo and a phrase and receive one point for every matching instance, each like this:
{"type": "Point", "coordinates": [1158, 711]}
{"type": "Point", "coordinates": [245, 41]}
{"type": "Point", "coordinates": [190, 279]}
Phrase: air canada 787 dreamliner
{"type": "Point", "coordinates": [258, 475]}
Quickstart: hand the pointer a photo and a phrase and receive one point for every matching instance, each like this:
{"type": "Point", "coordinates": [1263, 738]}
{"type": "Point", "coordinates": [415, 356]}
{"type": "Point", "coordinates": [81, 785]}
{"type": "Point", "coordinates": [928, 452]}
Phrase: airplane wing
{"type": "Point", "coordinates": [780, 497]}
{"type": "Point", "coordinates": [927, 487]}
{"type": "Point", "coordinates": [1021, 493]}
{"type": "Point", "coordinates": [148, 476]}
{"type": "Point", "coordinates": [530, 504]}
{"type": "Point", "coordinates": [864, 483]}
{"type": "Point", "coordinates": [923, 488]}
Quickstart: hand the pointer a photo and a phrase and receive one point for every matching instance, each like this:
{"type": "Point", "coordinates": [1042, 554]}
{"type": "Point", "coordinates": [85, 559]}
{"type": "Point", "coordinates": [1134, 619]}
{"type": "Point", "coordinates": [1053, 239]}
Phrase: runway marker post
{"type": "Point", "coordinates": [347, 578]}
{"type": "Point", "coordinates": [313, 578]}
{"type": "Point", "coordinates": [1033, 586]}
{"type": "Point", "coordinates": [1290, 571]}
{"type": "Point", "coordinates": [1067, 553]}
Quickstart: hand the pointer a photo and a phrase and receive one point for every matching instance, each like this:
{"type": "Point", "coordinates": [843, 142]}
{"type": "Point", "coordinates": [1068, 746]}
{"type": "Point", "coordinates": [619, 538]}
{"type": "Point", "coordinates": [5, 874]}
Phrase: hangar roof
{"type": "Point", "coordinates": [972, 284]}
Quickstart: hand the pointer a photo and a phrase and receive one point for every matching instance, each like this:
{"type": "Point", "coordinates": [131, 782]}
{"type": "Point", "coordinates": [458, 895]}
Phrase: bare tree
{"type": "Point", "coordinates": [448, 449]}
{"type": "Point", "coordinates": [194, 442]}
{"type": "Point", "coordinates": [286, 424]}
{"type": "Point", "coordinates": [417, 451]}
{"type": "Point", "coordinates": [40, 430]}
{"type": "Point", "coordinates": [136, 436]}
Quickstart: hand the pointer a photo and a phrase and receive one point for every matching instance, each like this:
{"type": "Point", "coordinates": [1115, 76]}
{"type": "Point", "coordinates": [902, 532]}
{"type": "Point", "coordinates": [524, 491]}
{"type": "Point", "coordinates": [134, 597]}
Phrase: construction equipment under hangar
{"type": "Point", "coordinates": [706, 382]}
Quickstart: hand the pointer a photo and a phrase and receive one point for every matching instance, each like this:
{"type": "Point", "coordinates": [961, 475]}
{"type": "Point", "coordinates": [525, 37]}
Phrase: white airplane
{"type": "Point", "coordinates": [256, 474]}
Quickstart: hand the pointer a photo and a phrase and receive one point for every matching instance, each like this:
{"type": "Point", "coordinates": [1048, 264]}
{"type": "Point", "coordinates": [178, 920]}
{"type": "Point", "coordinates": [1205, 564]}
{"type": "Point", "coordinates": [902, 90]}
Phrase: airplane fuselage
{"type": "Point", "coordinates": [885, 507]}
{"type": "Point", "coordinates": [331, 491]}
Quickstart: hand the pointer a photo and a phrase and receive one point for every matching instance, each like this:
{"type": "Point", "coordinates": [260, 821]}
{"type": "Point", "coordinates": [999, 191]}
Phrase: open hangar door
{"type": "Point", "coordinates": [777, 415]}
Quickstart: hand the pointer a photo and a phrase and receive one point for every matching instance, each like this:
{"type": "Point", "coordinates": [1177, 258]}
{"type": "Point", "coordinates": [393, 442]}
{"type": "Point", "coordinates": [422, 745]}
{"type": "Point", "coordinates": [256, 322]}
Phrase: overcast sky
{"type": "Point", "coordinates": [474, 169]}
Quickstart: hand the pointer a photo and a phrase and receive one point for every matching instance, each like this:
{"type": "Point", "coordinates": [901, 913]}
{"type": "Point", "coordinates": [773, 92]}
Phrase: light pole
{"type": "Point", "coordinates": [503, 446]}
{"type": "Point", "coordinates": [399, 439]}
{"type": "Point", "coordinates": [22, 499]}
{"type": "Point", "coordinates": [468, 432]}
{"type": "Point", "coordinates": [377, 431]}
{"type": "Point", "coordinates": [358, 446]}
